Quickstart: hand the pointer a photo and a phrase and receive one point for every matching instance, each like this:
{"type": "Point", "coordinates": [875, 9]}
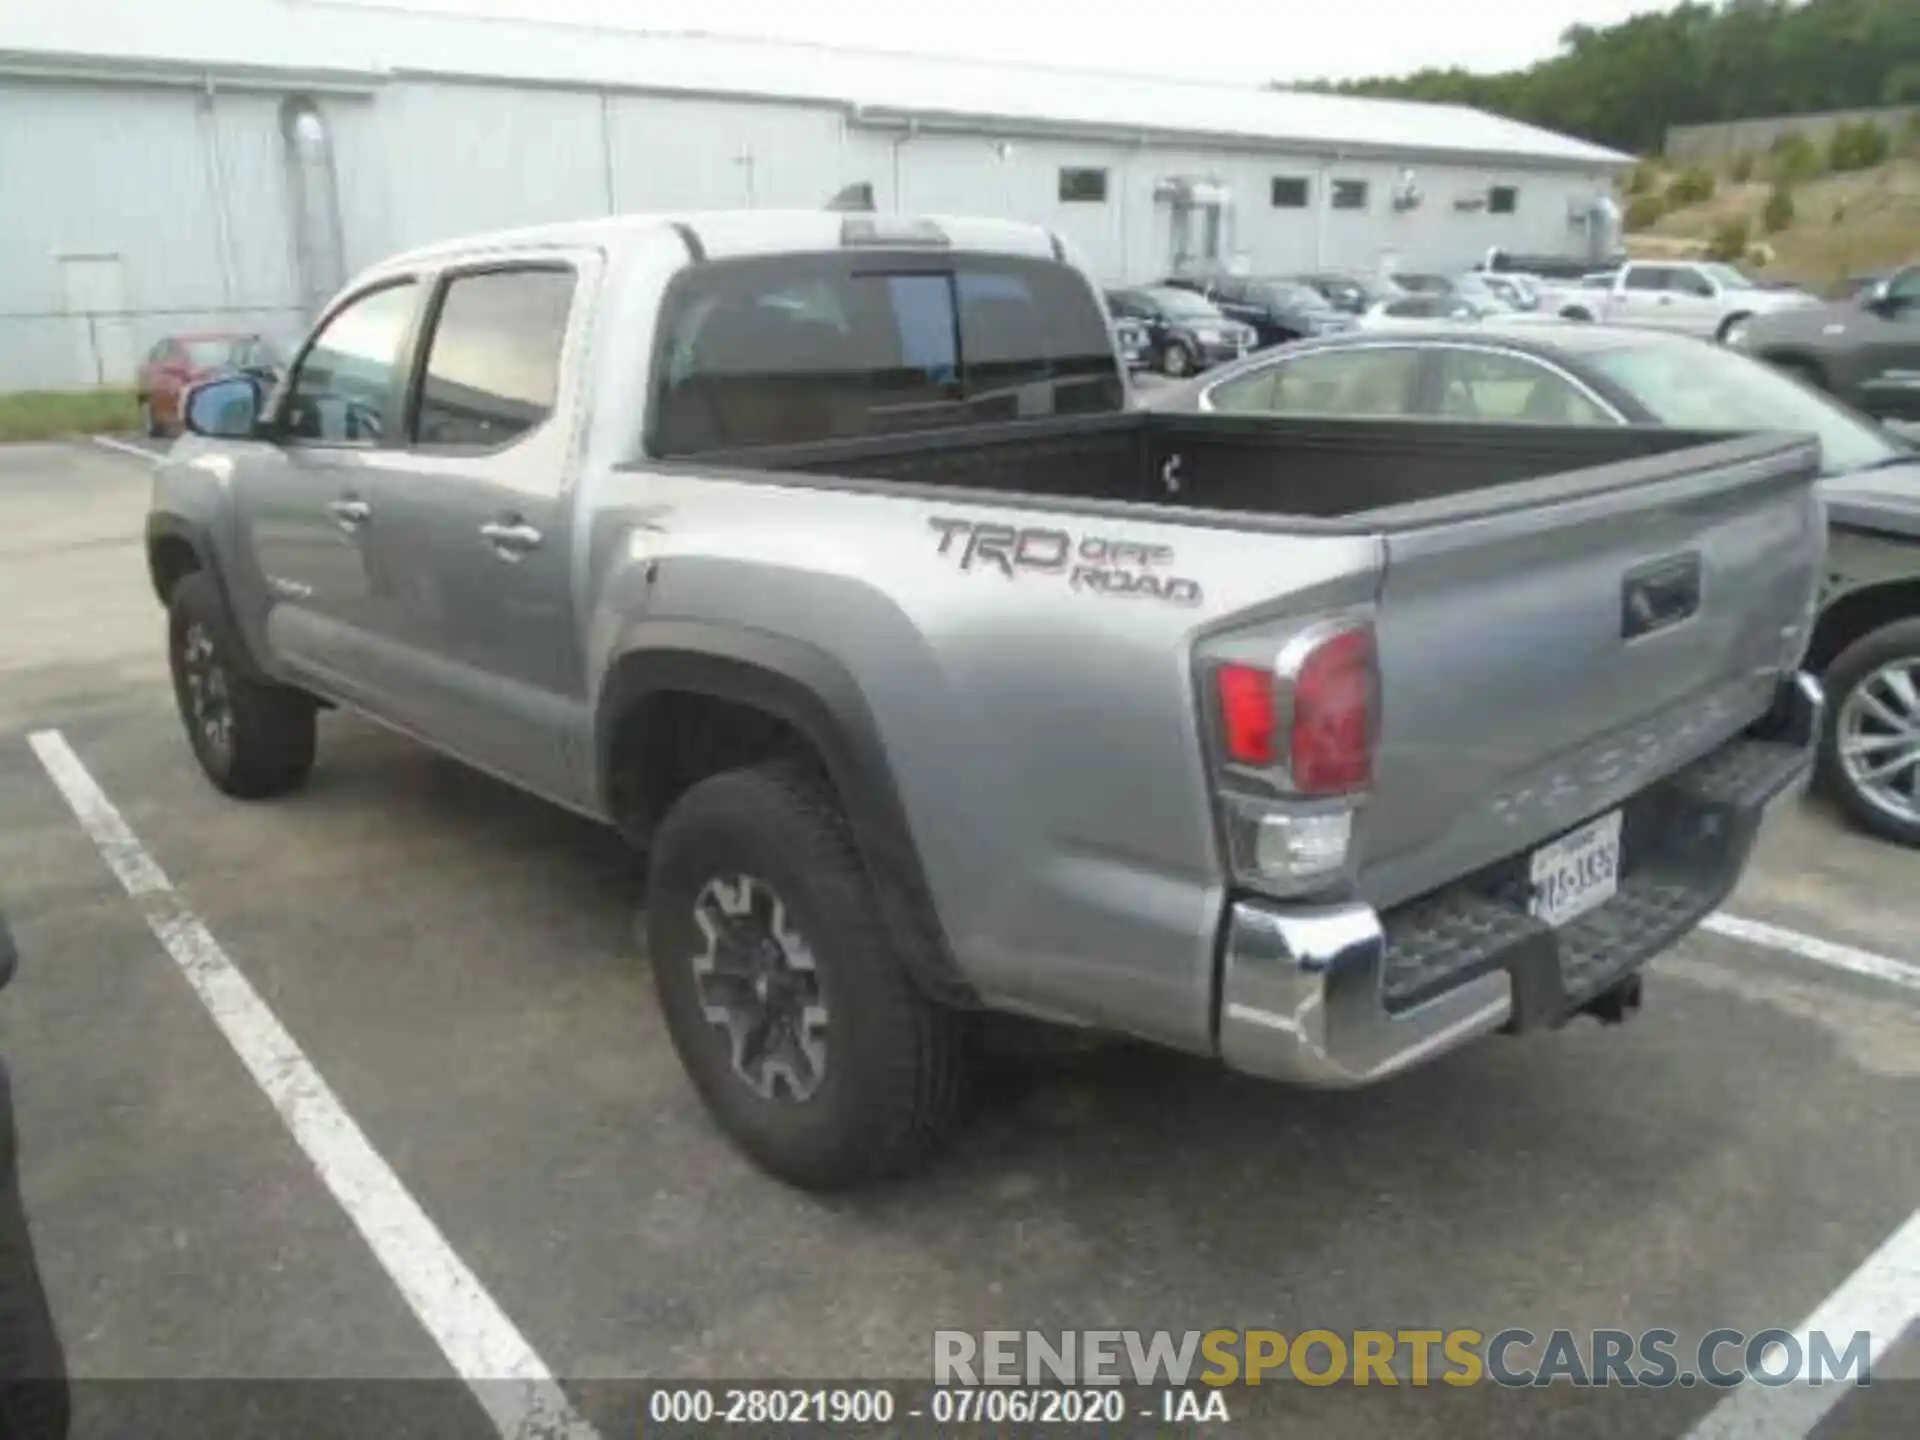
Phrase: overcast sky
{"type": "Point", "coordinates": [1229, 40]}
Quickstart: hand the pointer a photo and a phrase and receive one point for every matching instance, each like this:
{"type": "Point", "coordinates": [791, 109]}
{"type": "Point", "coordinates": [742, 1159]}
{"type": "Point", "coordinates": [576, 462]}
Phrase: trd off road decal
{"type": "Point", "coordinates": [1095, 564]}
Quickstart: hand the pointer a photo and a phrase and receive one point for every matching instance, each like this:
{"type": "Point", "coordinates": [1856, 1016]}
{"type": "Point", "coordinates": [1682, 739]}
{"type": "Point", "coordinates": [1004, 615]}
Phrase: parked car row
{"type": "Point", "coordinates": [1186, 332]}
{"type": "Point", "coordinates": [1866, 642]}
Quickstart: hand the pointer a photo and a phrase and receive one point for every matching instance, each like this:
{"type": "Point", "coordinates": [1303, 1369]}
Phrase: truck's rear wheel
{"type": "Point", "coordinates": [781, 990]}
{"type": "Point", "coordinates": [252, 738]}
{"type": "Point", "coordinates": [1870, 748]}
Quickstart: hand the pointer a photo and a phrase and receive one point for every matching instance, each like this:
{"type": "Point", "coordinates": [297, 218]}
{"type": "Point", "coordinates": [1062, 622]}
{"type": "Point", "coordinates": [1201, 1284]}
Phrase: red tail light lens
{"type": "Point", "coordinates": [1246, 713]}
{"type": "Point", "coordinates": [1334, 705]}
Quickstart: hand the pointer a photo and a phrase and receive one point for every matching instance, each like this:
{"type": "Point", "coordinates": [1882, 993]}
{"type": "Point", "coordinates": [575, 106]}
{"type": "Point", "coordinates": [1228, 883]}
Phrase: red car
{"type": "Point", "coordinates": [179, 361]}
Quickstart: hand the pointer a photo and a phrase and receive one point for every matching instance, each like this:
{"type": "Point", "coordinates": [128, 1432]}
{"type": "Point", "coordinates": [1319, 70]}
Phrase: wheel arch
{"type": "Point", "coordinates": [1858, 613]}
{"type": "Point", "coordinates": [799, 692]}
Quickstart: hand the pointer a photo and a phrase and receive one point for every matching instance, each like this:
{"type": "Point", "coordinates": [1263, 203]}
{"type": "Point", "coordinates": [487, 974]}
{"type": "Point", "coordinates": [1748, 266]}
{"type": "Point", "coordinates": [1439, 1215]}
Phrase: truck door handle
{"type": "Point", "coordinates": [350, 514]}
{"type": "Point", "coordinates": [512, 538]}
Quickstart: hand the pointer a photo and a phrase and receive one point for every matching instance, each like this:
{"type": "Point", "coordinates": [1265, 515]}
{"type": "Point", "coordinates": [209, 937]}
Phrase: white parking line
{"type": "Point", "coordinates": [1809, 947]}
{"type": "Point", "coordinates": [471, 1329]}
{"type": "Point", "coordinates": [1882, 1298]}
{"type": "Point", "coordinates": [125, 447]}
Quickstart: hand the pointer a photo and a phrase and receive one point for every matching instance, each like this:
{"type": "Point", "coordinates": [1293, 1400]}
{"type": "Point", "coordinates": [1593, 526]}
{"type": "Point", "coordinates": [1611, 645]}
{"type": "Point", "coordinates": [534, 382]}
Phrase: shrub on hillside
{"type": "Point", "coordinates": [1902, 87]}
{"type": "Point", "coordinates": [1644, 210]}
{"type": "Point", "coordinates": [1858, 146]}
{"type": "Point", "coordinates": [1640, 179]}
{"type": "Point", "coordinates": [1730, 241]}
{"type": "Point", "coordinates": [1742, 170]}
{"type": "Point", "coordinates": [1794, 158]}
{"type": "Point", "coordinates": [1779, 212]}
{"type": "Point", "coordinates": [1693, 186]}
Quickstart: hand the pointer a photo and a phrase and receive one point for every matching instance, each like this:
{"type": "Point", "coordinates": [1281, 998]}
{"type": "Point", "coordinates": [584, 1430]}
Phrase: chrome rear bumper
{"type": "Point", "coordinates": [1342, 995]}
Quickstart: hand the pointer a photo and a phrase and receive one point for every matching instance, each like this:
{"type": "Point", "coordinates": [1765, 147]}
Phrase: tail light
{"type": "Point", "coordinates": [1334, 690]}
{"type": "Point", "coordinates": [1293, 752]}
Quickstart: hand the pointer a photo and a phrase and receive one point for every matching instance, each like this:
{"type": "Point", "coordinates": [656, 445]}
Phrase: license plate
{"type": "Point", "coordinates": [1577, 872]}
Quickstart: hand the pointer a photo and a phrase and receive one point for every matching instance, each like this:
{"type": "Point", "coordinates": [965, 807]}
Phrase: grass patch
{"type": "Point", "coordinates": [51, 414]}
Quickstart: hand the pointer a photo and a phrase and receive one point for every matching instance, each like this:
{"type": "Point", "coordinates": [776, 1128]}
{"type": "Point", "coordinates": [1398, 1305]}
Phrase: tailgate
{"type": "Point", "coordinates": [1571, 640]}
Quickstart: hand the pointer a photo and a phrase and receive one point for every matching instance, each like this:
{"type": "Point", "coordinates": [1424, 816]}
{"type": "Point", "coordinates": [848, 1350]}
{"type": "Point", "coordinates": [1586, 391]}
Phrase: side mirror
{"type": "Point", "coordinates": [226, 409]}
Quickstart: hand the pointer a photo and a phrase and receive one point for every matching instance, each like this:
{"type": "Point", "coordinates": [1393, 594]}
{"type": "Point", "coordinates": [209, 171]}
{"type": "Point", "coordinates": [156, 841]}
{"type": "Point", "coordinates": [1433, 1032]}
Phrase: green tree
{"type": "Point", "coordinates": [1795, 160]}
{"type": "Point", "coordinates": [1742, 170]}
{"type": "Point", "coordinates": [1730, 241]}
{"type": "Point", "coordinates": [1779, 212]}
{"type": "Point", "coordinates": [1859, 146]}
{"type": "Point", "coordinates": [1644, 210]}
{"type": "Point", "coordinates": [1694, 186]}
{"type": "Point", "coordinates": [1624, 85]}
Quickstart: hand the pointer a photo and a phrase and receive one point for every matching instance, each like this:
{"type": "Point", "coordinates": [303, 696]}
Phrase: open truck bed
{"type": "Point", "coordinates": [1328, 473]}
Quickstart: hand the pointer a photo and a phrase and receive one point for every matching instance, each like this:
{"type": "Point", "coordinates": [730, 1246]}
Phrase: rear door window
{"type": "Point", "coordinates": [786, 350]}
{"type": "Point", "coordinates": [1366, 381]}
{"type": "Point", "coordinates": [493, 362]}
{"type": "Point", "coordinates": [1484, 385]}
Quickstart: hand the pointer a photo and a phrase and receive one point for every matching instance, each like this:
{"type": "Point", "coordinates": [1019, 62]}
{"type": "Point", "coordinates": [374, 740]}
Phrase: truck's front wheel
{"type": "Point", "coordinates": [781, 989]}
{"type": "Point", "coordinates": [253, 738]}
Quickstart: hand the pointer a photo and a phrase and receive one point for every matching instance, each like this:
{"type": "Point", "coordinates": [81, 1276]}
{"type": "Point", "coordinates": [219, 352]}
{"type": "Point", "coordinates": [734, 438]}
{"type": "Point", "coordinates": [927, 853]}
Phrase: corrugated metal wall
{"type": "Point", "coordinates": [192, 193]}
{"type": "Point", "coordinates": [118, 181]}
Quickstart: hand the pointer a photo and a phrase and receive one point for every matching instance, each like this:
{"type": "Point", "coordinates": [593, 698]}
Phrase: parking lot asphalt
{"type": "Point", "coordinates": [460, 963]}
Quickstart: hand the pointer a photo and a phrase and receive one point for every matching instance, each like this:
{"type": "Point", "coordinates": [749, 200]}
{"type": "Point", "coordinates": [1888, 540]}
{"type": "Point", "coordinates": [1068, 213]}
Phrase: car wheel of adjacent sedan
{"type": "Point", "coordinates": [1177, 359]}
{"type": "Point", "coordinates": [782, 990]}
{"type": "Point", "coordinates": [1577, 312]}
{"type": "Point", "coordinates": [253, 738]}
{"type": "Point", "coordinates": [1870, 750]}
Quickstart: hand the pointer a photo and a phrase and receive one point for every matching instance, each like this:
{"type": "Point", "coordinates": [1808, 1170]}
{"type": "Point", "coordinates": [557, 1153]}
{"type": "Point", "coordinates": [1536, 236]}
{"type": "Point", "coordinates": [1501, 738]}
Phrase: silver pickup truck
{"type": "Point", "coordinates": [822, 555]}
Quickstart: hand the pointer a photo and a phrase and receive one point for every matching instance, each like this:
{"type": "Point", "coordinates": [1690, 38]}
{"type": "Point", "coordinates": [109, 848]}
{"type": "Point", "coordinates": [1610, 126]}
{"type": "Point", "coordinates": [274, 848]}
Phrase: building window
{"type": "Point", "coordinates": [1079, 184]}
{"type": "Point", "coordinates": [1289, 192]}
{"type": "Point", "coordinates": [1349, 194]}
{"type": "Point", "coordinates": [1503, 200]}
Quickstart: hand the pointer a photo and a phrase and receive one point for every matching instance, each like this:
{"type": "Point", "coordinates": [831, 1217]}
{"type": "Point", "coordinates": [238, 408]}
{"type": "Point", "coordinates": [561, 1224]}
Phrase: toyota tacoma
{"type": "Point", "coordinates": [822, 555]}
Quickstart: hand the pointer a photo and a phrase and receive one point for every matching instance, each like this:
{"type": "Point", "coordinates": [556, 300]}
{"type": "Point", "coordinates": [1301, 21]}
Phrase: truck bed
{"type": "Point", "coordinates": [1327, 471]}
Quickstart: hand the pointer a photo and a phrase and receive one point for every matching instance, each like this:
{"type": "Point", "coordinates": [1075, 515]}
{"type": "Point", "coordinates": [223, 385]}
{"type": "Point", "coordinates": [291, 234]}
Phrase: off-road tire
{"type": "Point", "coordinates": [1177, 360]}
{"type": "Point", "coordinates": [1853, 665]}
{"type": "Point", "coordinates": [273, 729]}
{"type": "Point", "coordinates": [896, 1061]}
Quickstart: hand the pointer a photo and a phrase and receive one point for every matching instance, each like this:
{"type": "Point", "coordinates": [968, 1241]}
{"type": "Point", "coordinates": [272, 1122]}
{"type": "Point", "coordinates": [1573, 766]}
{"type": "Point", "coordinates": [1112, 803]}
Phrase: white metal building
{"type": "Point", "coordinates": [221, 164]}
